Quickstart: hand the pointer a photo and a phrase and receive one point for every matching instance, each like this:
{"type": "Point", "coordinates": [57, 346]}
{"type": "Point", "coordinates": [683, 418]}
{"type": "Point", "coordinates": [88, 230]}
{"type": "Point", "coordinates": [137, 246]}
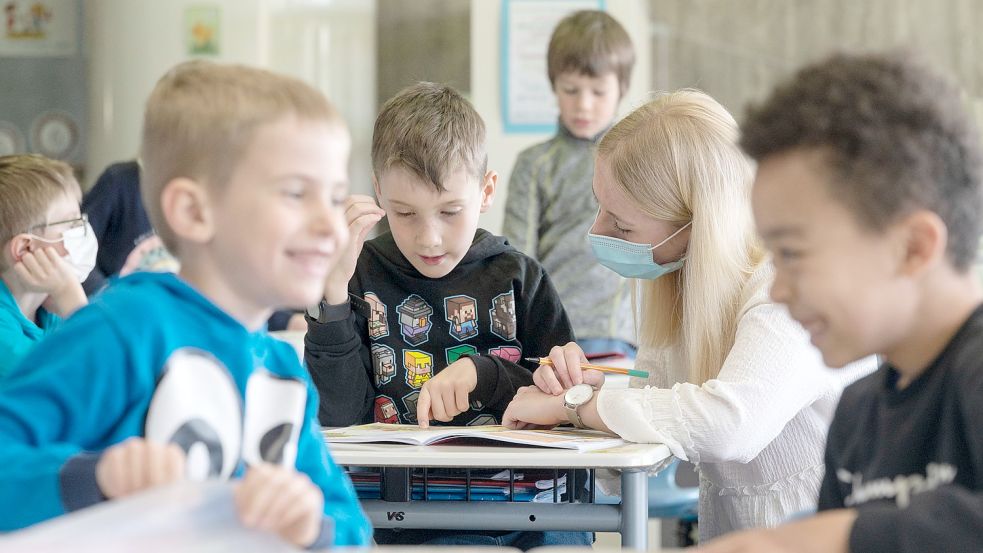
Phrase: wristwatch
{"type": "Point", "coordinates": [573, 399]}
{"type": "Point", "coordinates": [314, 312]}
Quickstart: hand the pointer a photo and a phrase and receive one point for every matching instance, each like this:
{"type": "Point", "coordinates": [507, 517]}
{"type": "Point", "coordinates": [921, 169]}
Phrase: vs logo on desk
{"type": "Point", "coordinates": [198, 406]}
{"type": "Point", "coordinates": [396, 515]}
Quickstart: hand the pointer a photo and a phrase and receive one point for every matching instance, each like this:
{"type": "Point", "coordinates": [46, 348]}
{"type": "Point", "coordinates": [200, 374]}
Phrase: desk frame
{"type": "Point", "coordinates": [630, 518]}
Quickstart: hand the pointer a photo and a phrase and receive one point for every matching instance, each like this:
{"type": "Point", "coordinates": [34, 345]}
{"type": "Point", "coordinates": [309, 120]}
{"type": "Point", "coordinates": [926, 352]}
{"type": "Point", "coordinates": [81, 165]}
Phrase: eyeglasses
{"type": "Point", "coordinates": [78, 222]}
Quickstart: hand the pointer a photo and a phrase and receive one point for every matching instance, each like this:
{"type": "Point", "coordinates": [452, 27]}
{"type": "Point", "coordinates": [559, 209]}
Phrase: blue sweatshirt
{"type": "Point", "coordinates": [18, 334]}
{"type": "Point", "coordinates": [152, 357]}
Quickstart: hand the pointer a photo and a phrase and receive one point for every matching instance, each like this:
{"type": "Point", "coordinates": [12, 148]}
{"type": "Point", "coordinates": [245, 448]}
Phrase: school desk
{"type": "Point", "coordinates": [634, 461]}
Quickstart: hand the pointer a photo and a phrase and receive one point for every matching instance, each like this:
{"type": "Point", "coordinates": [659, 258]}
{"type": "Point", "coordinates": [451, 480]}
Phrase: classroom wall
{"type": "Point", "coordinates": [328, 43]}
{"type": "Point", "coordinates": [422, 40]}
{"type": "Point", "coordinates": [737, 51]}
{"type": "Point", "coordinates": [131, 44]}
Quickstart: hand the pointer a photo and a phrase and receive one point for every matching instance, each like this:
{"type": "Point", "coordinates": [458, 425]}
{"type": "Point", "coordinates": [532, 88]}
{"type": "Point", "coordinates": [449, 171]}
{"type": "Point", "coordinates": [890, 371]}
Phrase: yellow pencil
{"type": "Point", "coordinates": [602, 368]}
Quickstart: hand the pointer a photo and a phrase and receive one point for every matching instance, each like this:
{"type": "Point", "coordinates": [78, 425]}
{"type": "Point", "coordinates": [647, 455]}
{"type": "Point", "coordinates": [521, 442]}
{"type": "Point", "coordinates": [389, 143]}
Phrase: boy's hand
{"type": "Point", "coordinates": [361, 213]}
{"type": "Point", "coordinates": [47, 272]}
{"type": "Point", "coordinates": [135, 258]}
{"type": "Point", "coordinates": [532, 408]}
{"type": "Point", "coordinates": [566, 371]}
{"type": "Point", "coordinates": [445, 396]}
{"type": "Point", "coordinates": [297, 322]}
{"type": "Point", "coordinates": [280, 500]}
{"type": "Point", "coordinates": [136, 465]}
{"type": "Point", "coordinates": [827, 532]}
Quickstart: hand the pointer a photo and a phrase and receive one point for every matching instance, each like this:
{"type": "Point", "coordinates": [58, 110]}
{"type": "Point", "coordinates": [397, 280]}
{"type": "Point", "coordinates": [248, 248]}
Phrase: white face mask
{"type": "Point", "coordinates": [81, 244]}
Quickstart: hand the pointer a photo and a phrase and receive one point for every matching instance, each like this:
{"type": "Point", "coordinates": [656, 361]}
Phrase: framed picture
{"type": "Point", "coordinates": [201, 30]}
{"type": "Point", "coordinates": [39, 28]}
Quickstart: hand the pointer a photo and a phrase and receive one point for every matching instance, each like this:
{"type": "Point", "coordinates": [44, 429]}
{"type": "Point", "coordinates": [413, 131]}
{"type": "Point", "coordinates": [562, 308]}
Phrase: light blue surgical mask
{"type": "Point", "coordinates": [632, 260]}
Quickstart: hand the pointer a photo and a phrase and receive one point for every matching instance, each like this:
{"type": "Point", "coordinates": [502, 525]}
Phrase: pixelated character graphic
{"type": "Point", "coordinates": [383, 364]}
{"type": "Point", "coordinates": [457, 352]}
{"type": "Point", "coordinates": [503, 316]}
{"type": "Point", "coordinates": [483, 420]}
{"type": "Point", "coordinates": [385, 410]}
{"type": "Point", "coordinates": [419, 367]}
{"type": "Point", "coordinates": [462, 314]}
{"type": "Point", "coordinates": [414, 320]}
{"type": "Point", "coordinates": [410, 400]}
{"type": "Point", "coordinates": [509, 353]}
{"type": "Point", "coordinates": [378, 327]}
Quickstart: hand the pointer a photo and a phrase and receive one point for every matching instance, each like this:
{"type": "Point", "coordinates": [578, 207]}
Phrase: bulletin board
{"type": "Point", "coordinates": [43, 88]}
{"type": "Point", "coordinates": [528, 104]}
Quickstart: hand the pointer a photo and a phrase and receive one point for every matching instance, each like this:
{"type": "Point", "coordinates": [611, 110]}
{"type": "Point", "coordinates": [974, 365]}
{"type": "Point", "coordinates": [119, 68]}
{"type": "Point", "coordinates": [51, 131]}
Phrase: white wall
{"type": "Point", "coordinates": [485, 86]}
{"type": "Point", "coordinates": [131, 44]}
{"type": "Point", "coordinates": [331, 44]}
{"type": "Point", "coordinates": [328, 43]}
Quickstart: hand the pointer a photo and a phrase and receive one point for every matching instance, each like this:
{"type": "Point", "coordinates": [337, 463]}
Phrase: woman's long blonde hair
{"type": "Point", "coordinates": [677, 159]}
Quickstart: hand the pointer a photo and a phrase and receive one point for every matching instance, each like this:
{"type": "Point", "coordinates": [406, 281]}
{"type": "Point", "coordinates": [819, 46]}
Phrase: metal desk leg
{"type": "Point", "coordinates": [634, 510]}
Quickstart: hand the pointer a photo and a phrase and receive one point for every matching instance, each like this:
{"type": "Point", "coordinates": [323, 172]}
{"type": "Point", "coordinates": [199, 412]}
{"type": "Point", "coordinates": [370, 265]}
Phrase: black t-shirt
{"type": "Point", "coordinates": [911, 460]}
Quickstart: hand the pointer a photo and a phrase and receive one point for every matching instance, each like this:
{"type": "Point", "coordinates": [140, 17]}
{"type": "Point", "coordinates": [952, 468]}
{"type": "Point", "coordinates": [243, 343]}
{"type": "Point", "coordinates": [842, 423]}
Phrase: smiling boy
{"type": "Point", "coordinates": [168, 377]}
{"type": "Point", "coordinates": [868, 193]}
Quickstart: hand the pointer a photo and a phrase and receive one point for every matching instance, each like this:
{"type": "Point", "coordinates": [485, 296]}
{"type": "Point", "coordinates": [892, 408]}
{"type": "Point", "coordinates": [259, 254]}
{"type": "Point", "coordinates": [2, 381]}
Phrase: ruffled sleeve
{"type": "Point", "coordinates": [770, 374]}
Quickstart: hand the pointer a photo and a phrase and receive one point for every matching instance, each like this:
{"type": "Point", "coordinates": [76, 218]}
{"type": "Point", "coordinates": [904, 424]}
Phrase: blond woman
{"type": "Point", "coordinates": [735, 386]}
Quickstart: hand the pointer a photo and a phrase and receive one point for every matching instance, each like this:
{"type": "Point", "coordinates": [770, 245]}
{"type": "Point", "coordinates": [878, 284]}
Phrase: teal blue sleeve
{"type": "Point", "coordinates": [13, 345]}
{"type": "Point", "coordinates": [49, 321]}
{"type": "Point", "coordinates": [64, 395]}
{"type": "Point", "coordinates": [341, 507]}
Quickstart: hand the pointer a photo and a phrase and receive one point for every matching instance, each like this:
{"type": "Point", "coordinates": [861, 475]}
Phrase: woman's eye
{"type": "Point", "coordinates": [450, 213]}
{"type": "Point", "coordinates": [788, 255]}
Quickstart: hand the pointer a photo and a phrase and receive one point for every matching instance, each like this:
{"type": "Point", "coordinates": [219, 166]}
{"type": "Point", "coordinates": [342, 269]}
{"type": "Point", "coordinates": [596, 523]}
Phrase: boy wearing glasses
{"type": "Point", "coordinates": [48, 250]}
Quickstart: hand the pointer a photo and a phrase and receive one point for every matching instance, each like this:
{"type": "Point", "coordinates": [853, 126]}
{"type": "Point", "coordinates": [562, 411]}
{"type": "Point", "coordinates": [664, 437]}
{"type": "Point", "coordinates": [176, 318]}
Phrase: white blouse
{"type": "Point", "coordinates": [756, 432]}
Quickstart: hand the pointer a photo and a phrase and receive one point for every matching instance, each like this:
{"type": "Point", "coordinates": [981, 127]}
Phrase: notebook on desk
{"type": "Point", "coordinates": [558, 438]}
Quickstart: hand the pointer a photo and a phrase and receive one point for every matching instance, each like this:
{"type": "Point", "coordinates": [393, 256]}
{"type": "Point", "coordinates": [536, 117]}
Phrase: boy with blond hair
{"type": "Point", "coordinates": [165, 377]}
{"type": "Point", "coordinates": [432, 320]}
{"type": "Point", "coordinates": [550, 206]}
{"type": "Point", "coordinates": [48, 250]}
{"type": "Point", "coordinates": [869, 192]}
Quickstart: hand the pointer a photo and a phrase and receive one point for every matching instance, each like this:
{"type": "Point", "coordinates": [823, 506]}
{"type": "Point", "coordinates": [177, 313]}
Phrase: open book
{"type": "Point", "coordinates": [561, 438]}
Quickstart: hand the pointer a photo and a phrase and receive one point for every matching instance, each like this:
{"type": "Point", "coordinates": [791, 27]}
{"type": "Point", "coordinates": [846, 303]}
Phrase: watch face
{"type": "Point", "coordinates": [579, 394]}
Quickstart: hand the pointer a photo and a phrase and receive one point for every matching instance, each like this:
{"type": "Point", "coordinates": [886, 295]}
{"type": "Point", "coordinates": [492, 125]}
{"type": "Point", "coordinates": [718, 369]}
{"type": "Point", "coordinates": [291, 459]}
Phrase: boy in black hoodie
{"type": "Point", "coordinates": [432, 320]}
{"type": "Point", "coordinates": [868, 192]}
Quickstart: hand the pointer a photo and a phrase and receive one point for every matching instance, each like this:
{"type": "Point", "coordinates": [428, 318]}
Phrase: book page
{"type": "Point", "coordinates": [581, 440]}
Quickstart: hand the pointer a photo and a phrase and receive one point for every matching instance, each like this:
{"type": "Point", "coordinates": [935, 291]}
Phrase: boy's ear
{"type": "Point", "coordinates": [926, 240]}
{"type": "Point", "coordinates": [187, 210]}
{"type": "Point", "coordinates": [17, 247]}
{"type": "Point", "coordinates": [488, 184]}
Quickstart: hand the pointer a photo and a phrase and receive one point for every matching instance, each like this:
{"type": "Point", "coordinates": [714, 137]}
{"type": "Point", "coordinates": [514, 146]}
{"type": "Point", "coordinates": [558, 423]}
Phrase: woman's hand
{"type": "Point", "coordinates": [565, 371]}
